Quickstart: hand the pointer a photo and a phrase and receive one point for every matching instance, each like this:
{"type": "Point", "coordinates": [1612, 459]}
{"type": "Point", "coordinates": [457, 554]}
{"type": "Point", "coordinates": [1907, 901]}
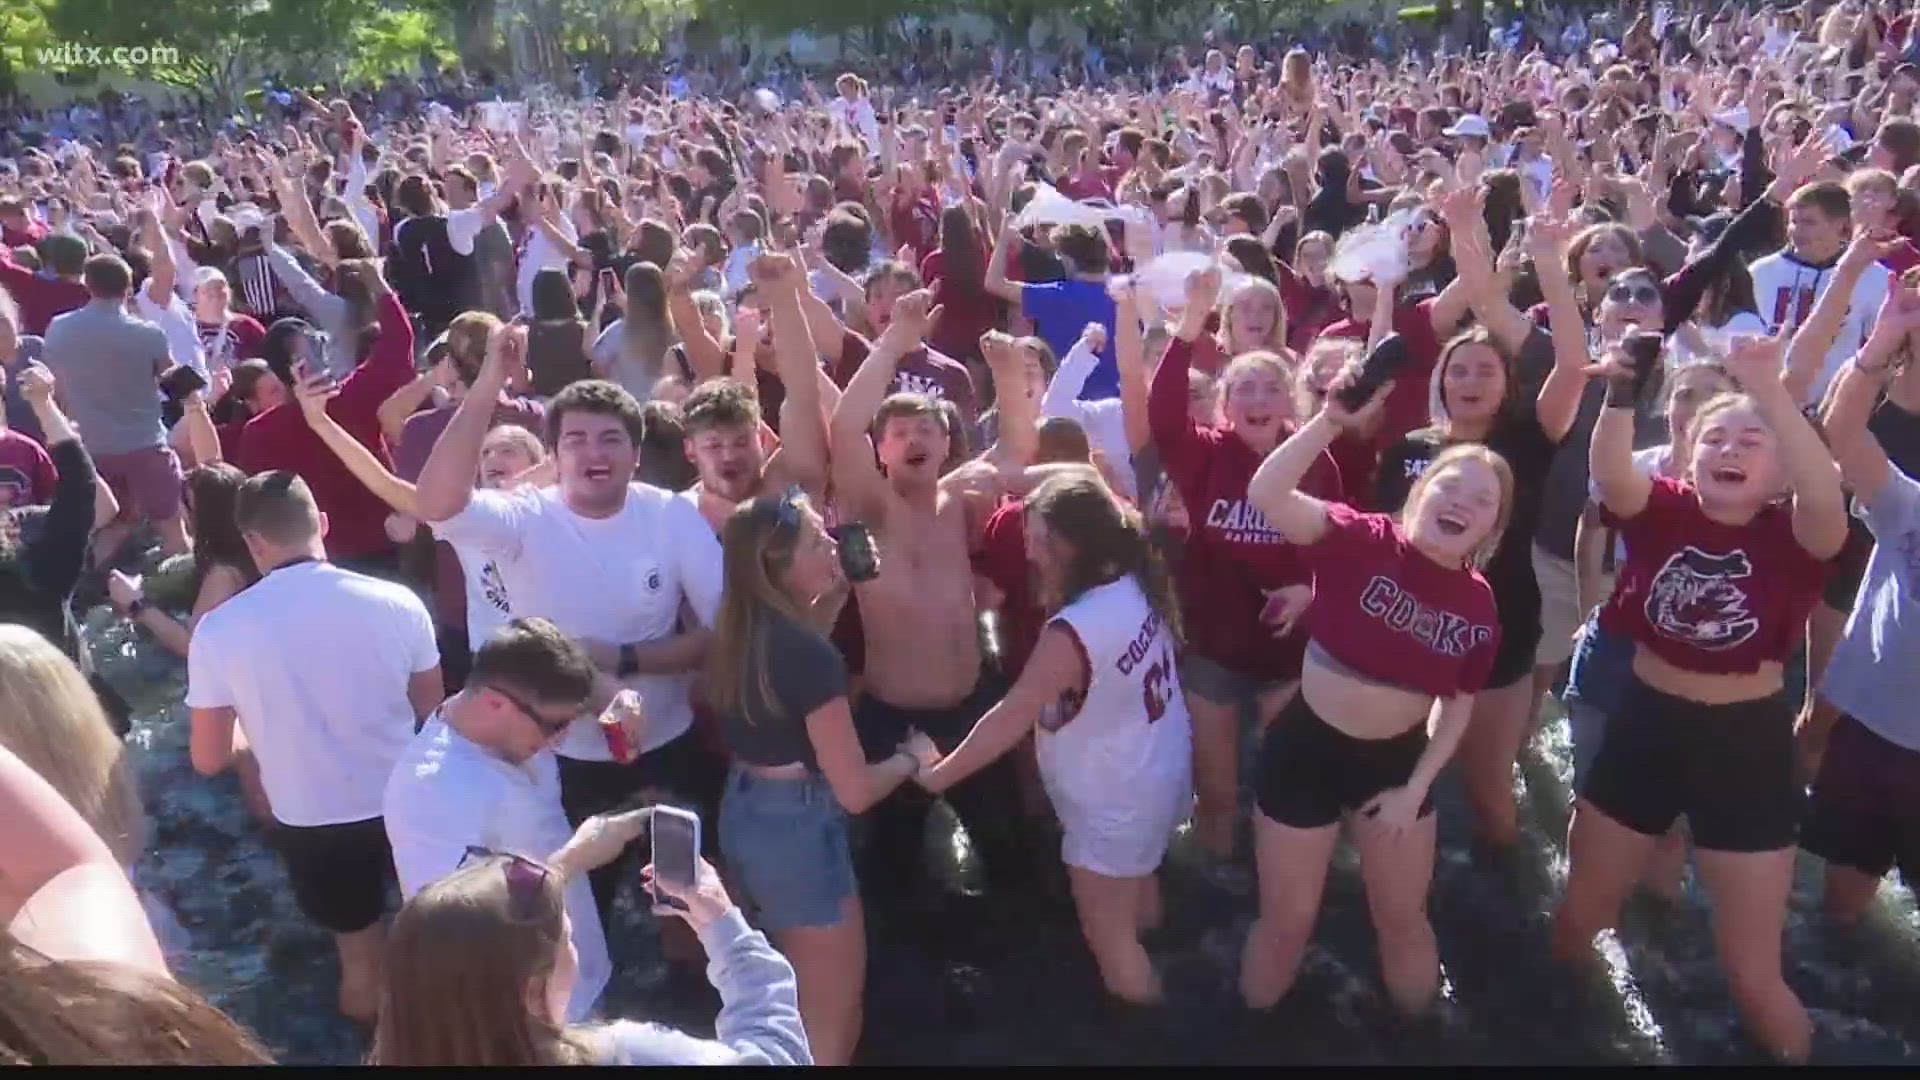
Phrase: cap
{"type": "Point", "coordinates": [1470, 126]}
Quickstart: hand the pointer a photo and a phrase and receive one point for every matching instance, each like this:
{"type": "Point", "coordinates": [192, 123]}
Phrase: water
{"type": "Point", "coordinates": [953, 985]}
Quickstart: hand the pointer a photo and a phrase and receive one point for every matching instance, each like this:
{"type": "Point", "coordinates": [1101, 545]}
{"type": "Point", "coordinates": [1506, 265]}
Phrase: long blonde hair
{"type": "Point", "coordinates": [1450, 458]}
{"type": "Point", "coordinates": [51, 719]}
{"type": "Point", "coordinates": [757, 544]}
{"type": "Point", "coordinates": [459, 960]}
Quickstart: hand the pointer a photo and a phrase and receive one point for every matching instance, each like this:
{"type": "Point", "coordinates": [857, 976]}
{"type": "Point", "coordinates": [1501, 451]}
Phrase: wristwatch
{"type": "Point", "coordinates": [629, 662]}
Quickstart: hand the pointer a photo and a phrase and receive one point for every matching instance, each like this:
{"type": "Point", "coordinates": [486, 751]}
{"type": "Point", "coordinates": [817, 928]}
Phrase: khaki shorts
{"type": "Point", "coordinates": [1560, 614]}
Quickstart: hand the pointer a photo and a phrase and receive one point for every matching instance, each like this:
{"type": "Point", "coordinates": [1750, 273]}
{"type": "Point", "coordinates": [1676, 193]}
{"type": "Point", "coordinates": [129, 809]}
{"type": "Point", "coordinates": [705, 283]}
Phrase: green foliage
{"type": "Point", "coordinates": [397, 40]}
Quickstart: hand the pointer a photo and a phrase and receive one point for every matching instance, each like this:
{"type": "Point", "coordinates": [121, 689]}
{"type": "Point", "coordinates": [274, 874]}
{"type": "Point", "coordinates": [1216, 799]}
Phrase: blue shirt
{"type": "Point", "coordinates": [1872, 677]}
{"type": "Point", "coordinates": [1060, 311]}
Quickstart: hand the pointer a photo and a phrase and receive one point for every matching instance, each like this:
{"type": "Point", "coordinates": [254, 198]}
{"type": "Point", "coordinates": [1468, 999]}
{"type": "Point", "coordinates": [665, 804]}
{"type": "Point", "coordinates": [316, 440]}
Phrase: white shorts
{"type": "Point", "coordinates": [1560, 614]}
{"type": "Point", "coordinates": [1128, 837]}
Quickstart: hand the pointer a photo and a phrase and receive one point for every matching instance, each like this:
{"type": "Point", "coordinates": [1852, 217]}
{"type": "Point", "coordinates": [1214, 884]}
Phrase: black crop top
{"type": "Point", "coordinates": [805, 672]}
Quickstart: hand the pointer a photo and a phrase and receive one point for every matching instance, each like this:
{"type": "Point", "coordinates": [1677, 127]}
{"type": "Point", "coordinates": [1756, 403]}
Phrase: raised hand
{"type": "Point", "coordinates": [313, 392]}
{"type": "Point", "coordinates": [913, 316]}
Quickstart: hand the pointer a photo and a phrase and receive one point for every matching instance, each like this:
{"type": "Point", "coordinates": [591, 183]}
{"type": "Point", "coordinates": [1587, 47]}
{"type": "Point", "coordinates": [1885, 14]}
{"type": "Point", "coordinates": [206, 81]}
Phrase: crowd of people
{"type": "Point", "coordinates": [528, 466]}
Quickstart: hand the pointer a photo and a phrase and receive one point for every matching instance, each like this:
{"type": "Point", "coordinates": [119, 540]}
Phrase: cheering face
{"type": "Point", "coordinates": [728, 458]}
{"type": "Point", "coordinates": [1692, 387]}
{"type": "Point", "coordinates": [1736, 459]}
{"type": "Point", "coordinates": [1457, 510]}
{"type": "Point", "coordinates": [1632, 298]}
{"type": "Point", "coordinates": [815, 569]}
{"type": "Point", "coordinates": [596, 460]}
{"type": "Point", "coordinates": [913, 447]}
{"type": "Point", "coordinates": [1251, 319]}
{"type": "Point", "coordinates": [1604, 257]}
{"type": "Point", "coordinates": [1313, 260]}
{"type": "Point", "coordinates": [880, 300]}
{"type": "Point", "coordinates": [1474, 384]}
{"type": "Point", "coordinates": [1258, 402]}
{"type": "Point", "coordinates": [506, 455]}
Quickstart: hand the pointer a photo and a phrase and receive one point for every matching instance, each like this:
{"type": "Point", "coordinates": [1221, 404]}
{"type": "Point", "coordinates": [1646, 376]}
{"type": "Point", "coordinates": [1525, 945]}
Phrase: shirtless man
{"type": "Point", "coordinates": [923, 664]}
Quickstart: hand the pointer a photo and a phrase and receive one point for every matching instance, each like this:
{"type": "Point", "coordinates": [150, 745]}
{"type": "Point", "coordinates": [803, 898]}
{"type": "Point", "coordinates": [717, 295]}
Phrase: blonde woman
{"type": "Point", "coordinates": [780, 689]}
{"type": "Point", "coordinates": [51, 719]}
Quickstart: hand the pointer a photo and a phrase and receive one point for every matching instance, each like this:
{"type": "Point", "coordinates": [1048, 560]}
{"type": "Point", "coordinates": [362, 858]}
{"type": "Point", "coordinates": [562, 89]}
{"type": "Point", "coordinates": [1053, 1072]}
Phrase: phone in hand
{"type": "Point", "coordinates": [1386, 360]}
{"type": "Point", "coordinates": [1643, 348]}
{"type": "Point", "coordinates": [608, 280]}
{"type": "Point", "coordinates": [859, 559]}
{"type": "Point", "coordinates": [676, 852]}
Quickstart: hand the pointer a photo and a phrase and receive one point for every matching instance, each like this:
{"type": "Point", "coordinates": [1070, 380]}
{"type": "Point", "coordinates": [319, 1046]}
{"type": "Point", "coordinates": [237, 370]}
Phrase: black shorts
{"type": "Point", "coordinates": [883, 726]}
{"type": "Point", "coordinates": [339, 873]}
{"type": "Point", "coordinates": [1519, 610]}
{"type": "Point", "coordinates": [1865, 812]}
{"type": "Point", "coordinates": [1312, 772]}
{"type": "Point", "coordinates": [1728, 768]}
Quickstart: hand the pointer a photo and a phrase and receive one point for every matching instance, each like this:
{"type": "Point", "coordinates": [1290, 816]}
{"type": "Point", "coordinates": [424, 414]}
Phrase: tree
{"type": "Point", "coordinates": [218, 44]}
{"type": "Point", "coordinates": [23, 31]}
{"type": "Point", "coordinates": [396, 40]}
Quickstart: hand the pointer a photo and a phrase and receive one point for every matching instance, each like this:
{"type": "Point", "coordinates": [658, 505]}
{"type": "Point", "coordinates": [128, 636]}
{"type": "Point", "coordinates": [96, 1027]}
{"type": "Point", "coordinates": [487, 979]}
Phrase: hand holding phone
{"type": "Point", "coordinates": [676, 856]}
{"type": "Point", "coordinates": [1638, 358]}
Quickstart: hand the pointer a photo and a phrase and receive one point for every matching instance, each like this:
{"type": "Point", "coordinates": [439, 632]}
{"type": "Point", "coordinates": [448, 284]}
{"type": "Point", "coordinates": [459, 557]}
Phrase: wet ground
{"type": "Point", "coordinates": [958, 982]}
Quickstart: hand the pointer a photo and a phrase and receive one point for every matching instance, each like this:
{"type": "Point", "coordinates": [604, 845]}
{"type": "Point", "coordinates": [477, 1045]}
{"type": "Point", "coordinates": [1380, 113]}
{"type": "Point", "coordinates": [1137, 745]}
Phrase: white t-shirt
{"type": "Point", "coordinates": [1787, 289]}
{"type": "Point", "coordinates": [315, 660]}
{"type": "Point", "coordinates": [616, 580]}
{"type": "Point", "coordinates": [176, 321]}
{"type": "Point", "coordinates": [488, 605]}
{"type": "Point", "coordinates": [448, 793]}
{"type": "Point", "coordinates": [541, 254]}
{"type": "Point", "coordinates": [463, 226]}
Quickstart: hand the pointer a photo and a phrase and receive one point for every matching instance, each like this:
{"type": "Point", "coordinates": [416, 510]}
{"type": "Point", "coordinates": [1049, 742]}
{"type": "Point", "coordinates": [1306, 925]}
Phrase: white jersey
{"type": "Point", "coordinates": [1130, 734]}
{"type": "Point", "coordinates": [1786, 290]}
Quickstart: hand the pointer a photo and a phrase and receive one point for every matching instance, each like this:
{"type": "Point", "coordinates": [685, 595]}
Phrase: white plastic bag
{"type": "Point", "coordinates": [1375, 252]}
{"type": "Point", "coordinates": [1164, 280]}
{"type": "Point", "coordinates": [1049, 207]}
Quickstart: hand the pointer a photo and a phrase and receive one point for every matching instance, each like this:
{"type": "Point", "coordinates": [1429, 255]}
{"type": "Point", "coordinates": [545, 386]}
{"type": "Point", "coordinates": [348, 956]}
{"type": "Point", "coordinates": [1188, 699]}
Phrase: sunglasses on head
{"type": "Point", "coordinates": [526, 880]}
{"type": "Point", "coordinates": [1633, 292]}
{"type": "Point", "coordinates": [787, 510]}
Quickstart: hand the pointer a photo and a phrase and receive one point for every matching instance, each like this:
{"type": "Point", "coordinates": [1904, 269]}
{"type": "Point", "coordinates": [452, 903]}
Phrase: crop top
{"type": "Point", "coordinates": [1690, 588]}
{"type": "Point", "coordinates": [1388, 613]}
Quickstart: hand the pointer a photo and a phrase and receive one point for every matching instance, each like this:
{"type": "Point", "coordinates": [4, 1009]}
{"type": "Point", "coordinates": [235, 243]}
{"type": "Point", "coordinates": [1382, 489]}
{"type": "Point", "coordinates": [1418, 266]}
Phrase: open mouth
{"type": "Point", "coordinates": [1729, 474]}
{"type": "Point", "coordinates": [917, 458]}
{"type": "Point", "coordinates": [493, 476]}
{"type": "Point", "coordinates": [599, 472]}
{"type": "Point", "coordinates": [1451, 524]}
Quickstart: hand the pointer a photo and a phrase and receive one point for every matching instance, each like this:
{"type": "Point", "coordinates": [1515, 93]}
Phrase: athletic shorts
{"type": "Point", "coordinates": [1311, 772]}
{"type": "Point", "coordinates": [1865, 813]}
{"type": "Point", "coordinates": [1728, 768]}
{"type": "Point", "coordinates": [145, 482]}
{"type": "Point", "coordinates": [1560, 613]}
{"type": "Point", "coordinates": [339, 873]}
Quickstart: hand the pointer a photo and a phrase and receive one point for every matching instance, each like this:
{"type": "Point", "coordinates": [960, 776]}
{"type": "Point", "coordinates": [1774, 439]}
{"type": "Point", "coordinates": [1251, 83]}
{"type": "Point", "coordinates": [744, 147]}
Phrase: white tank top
{"type": "Point", "coordinates": [1132, 725]}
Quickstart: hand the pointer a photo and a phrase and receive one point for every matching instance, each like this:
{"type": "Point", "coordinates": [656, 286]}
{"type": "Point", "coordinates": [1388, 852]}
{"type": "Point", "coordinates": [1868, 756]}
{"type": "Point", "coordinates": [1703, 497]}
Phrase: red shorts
{"type": "Point", "coordinates": [145, 482]}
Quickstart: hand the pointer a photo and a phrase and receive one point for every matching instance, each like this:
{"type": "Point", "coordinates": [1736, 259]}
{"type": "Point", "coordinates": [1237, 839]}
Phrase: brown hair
{"type": "Point", "coordinates": [1108, 540]}
{"type": "Point", "coordinates": [95, 1012]}
{"type": "Point", "coordinates": [1450, 458]}
{"type": "Point", "coordinates": [458, 966]}
{"type": "Point", "coordinates": [756, 544]}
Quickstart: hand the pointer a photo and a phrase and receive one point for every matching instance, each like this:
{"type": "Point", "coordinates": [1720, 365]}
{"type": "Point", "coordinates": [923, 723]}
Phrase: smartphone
{"type": "Point", "coordinates": [1643, 348]}
{"type": "Point", "coordinates": [1385, 361]}
{"type": "Point", "coordinates": [607, 280]}
{"type": "Point", "coordinates": [859, 559]}
{"type": "Point", "coordinates": [676, 852]}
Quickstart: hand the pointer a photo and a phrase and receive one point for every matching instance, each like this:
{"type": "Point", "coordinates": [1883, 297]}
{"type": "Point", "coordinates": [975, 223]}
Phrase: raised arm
{"type": "Point", "coordinates": [1275, 487]}
{"type": "Point", "coordinates": [706, 355]}
{"type": "Point", "coordinates": [446, 480]}
{"type": "Point", "coordinates": [1819, 503]}
{"type": "Point", "coordinates": [996, 280]}
{"type": "Point", "coordinates": [779, 282]}
{"type": "Point", "coordinates": [1863, 462]}
{"type": "Point", "coordinates": [1623, 489]}
{"type": "Point", "coordinates": [1019, 438]}
{"type": "Point", "coordinates": [1807, 355]}
{"type": "Point", "coordinates": [1558, 403]}
{"type": "Point", "coordinates": [313, 394]}
{"type": "Point", "coordinates": [856, 474]}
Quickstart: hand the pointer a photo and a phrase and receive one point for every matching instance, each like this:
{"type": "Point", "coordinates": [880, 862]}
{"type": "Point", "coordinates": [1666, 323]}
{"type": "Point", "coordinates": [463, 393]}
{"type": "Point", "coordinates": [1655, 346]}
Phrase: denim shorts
{"type": "Point", "coordinates": [785, 842]}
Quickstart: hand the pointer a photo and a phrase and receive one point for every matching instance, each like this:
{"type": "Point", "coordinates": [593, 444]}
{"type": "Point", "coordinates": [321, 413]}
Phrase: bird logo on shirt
{"type": "Point", "coordinates": [1694, 599]}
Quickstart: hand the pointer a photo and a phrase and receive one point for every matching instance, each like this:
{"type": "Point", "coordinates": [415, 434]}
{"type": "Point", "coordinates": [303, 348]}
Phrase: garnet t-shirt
{"type": "Point", "coordinates": [1002, 559]}
{"type": "Point", "coordinates": [1706, 596]}
{"type": "Point", "coordinates": [1389, 613]}
{"type": "Point", "coordinates": [1407, 403]}
{"type": "Point", "coordinates": [27, 475]}
{"type": "Point", "coordinates": [1232, 558]}
{"type": "Point", "coordinates": [922, 371]}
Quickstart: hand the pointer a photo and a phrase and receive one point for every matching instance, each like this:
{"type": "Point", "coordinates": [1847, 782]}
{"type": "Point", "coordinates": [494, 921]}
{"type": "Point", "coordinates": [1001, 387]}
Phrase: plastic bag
{"type": "Point", "coordinates": [1164, 280]}
{"type": "Point", "coordinates": [1049, 207]}
{"type": "Point", "coordinates": [1373, 252]}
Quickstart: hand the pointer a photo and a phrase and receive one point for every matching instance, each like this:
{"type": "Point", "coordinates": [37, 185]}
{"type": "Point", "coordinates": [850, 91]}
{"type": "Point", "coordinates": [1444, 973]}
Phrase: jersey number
{"type": "Point", "coordinates": [1157, 687]}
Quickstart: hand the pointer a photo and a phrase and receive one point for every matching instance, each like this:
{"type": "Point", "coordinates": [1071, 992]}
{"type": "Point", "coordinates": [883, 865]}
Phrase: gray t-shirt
{"type": "Point", "coordinates": [107, 364]}
{"type": "Point", "coordinates": [804, 671]}
{"type": "Point", "coordinates": [1872, 677]}
{"type": "Point", "coordinates": [1564, 495]}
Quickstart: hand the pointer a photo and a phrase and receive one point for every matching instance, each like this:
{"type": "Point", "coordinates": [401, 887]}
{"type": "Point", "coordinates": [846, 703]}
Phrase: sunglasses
{"type": "Point", "coordinates": [1633, 293]}
{"type": "Point", "coordinates": [551, 729]}
{"type": "Point", "coordinates": [526, 881]}
{"type": "Point", "coordinates": [787, 510]}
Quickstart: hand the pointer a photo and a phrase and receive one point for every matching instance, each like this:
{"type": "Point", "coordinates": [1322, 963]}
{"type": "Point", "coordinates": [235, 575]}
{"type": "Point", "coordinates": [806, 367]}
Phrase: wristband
{"type": "Point", "coordinates": [1621, 394]}
{"type": "Point", "coordinates": [629, 662]}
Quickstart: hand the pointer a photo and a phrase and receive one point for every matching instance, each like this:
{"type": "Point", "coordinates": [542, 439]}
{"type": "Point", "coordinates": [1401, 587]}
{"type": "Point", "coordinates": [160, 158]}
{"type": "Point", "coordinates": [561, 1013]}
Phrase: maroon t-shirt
{"type": "Point", "coordinates": [1709, 597]}
{"type": "Point", "coordinates": [280, 439]}
{"type": "Point", "coordinates": [27, 475]}
{"type": "Point", "coordinates": [40, 298]}
{"type": "Point", "coordinates": [1388, 612]}
{"type": "Point", "coordinates": [1407, 402]}
{"type": "Point", "coordinates": [1232, 556]}
{"type": "Point", "coordinates": [226, 344]}
{"type": "Point", "coordinates": [922, 371]}
{"type": "Point", "coordinates": [968, 310]}
{"type": "Point", "coordinates": [1002, 559]}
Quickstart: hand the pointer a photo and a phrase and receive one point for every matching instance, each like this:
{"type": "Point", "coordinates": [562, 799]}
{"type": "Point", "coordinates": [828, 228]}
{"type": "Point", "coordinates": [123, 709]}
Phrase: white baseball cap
{"type": "Point", "coordinates": [1472, 126]}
